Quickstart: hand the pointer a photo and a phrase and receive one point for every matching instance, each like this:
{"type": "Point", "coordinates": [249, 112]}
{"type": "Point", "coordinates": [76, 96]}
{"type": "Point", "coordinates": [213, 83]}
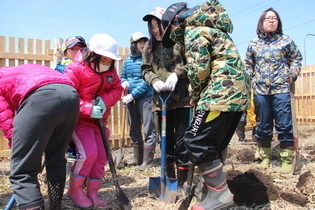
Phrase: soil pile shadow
{"type": "Point", "coordinates": [251, 188]}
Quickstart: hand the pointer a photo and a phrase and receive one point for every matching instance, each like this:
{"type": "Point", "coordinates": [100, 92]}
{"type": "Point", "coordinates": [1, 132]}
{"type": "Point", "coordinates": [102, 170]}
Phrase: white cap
{"type": "Point", "coordinates": [105, 45]}
{"type": "Point", "coordinates": [137, 36]}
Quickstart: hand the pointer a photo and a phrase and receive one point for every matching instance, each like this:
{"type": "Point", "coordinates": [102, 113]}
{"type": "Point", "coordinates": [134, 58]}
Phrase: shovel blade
{"type": "Point", "coordinates": [120, 154]}
{"type": "Point", "coordinates": [165, 189]}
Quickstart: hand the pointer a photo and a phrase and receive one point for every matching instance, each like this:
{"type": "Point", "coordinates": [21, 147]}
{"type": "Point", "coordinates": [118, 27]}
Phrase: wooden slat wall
{"type": "Point", "coordinates": [17, 51]}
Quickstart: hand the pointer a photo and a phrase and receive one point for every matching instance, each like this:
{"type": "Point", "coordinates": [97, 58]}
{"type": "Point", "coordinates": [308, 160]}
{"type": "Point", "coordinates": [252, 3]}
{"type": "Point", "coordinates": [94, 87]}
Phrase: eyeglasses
{"type": "Point", "coordinates": [271, 19]}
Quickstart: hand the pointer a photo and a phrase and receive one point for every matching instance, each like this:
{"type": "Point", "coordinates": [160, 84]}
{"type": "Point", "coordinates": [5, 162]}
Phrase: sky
{"type": "Point", "coordinates": [50, 19]}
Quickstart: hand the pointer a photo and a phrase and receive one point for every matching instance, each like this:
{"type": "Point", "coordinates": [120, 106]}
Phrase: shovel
{"type": "Point", "coordinates": [120, 154]}
{"type": "Point", "coordinates": [10, 203]}
{"type": "Point", "coordinates": [163, 187]}
{"type": "Point", "coordinates": [188, 190]}
{"type": "Point", "coordinates": [124, 201]}
{"type": "Point", "coordinates": [296, 160]}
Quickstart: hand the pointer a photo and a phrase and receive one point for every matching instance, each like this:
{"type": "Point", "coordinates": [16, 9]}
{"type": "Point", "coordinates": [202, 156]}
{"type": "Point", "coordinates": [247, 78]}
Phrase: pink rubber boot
{"type": "Point", "coordinates": [93, 185]}
{"type": "Point", "coordinates": [75, 192]}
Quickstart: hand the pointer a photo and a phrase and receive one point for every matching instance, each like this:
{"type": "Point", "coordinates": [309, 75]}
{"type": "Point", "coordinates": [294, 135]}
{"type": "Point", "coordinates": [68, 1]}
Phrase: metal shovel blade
{"type": "Point", "coordinates": [165, 189]}
{"type": "Point", "coordinates": [121, 151]}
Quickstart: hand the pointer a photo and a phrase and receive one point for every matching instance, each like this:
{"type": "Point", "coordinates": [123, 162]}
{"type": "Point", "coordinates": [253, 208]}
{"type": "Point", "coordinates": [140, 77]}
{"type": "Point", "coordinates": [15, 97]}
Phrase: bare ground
{"type": "Point", "coordinates": [252, 188]}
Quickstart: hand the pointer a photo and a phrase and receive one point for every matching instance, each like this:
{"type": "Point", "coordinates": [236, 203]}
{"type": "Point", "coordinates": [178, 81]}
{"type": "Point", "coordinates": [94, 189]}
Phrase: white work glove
{"type": "Point", "coordinates": [171, 82]}
{"type": "Point", "coordinates": [127, 99]}
{"type": "Point", "coordinates": [125, 84]}
{"type": "Point", "coordinates": [159, 86]}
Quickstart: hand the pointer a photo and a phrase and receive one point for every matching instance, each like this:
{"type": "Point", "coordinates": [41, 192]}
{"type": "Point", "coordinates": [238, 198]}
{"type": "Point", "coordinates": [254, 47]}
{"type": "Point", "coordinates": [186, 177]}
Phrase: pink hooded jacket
{"type": "Point", "coordinates": [90, 85]}
{"type": "Point", "coordinates": [16, 83]}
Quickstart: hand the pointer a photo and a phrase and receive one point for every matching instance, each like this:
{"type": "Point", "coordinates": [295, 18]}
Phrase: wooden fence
{"type": "Point", "coordinates": [17, 51]}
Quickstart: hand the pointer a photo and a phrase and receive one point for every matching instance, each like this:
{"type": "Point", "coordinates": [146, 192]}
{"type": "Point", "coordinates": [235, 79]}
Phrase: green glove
{"type": "Point", "coordinates": [100, 102]}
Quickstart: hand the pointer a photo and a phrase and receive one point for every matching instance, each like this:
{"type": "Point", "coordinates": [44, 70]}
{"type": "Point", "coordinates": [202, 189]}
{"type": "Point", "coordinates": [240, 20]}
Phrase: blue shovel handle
{"type": "Point", "coordinates": [11, 203]}
{"type": "Point", "coordinates": [163, 133]}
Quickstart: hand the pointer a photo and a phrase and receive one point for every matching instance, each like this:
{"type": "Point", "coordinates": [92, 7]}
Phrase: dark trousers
{"type": "Point", "coordinates": [177, 122]}
{"type": "Point", "coordinates": [43, 124]}
{"type": "Point", "coordinates": [205, 140]}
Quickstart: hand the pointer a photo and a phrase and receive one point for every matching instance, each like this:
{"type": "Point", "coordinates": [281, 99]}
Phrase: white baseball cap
{"type": "Point", "coordinates": [105, 45]}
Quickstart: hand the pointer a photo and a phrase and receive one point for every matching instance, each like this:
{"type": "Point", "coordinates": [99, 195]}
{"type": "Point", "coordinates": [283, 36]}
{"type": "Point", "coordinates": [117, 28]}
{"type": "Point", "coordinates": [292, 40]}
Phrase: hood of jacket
{"type": "Point", "coordinates": [211, 14]}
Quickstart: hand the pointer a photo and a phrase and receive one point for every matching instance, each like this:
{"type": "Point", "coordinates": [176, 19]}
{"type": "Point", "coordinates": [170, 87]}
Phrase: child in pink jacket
{"type": "Point", "coordinates": [96, 79]}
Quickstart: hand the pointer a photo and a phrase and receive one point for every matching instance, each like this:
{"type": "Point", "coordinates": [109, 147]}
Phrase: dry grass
{"type": "Point", "coordinates": [289, 188]}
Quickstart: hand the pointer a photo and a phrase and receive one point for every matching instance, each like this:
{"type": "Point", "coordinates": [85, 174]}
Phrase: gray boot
{"type": "Point", "coordinates": [218, 195]}
{"type": "Point", "coordinates": [39, 207]}
{"type": "Point", "coordinates": [55, 193]}
{"type": "Point", "coordinates": [148, 154]}
{"type": "Point", "coordinates": [137, 156]}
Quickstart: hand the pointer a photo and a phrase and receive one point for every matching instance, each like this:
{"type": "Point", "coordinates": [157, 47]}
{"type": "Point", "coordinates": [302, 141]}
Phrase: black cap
{"type": "Point", "coordinates": [167, 18]}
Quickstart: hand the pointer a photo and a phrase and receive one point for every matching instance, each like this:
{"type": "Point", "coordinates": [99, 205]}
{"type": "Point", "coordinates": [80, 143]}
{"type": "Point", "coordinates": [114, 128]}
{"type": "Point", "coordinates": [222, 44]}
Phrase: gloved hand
{"type": "Point", "coordinates": [96, 112]}
{"type": "Point", "coordinates": [171, 82]}
{"type": "Point", "coordinates": [125, 84]}
{"type": "Point", "coordinates": [159, 86]}
{"type": "Point", "coordinates": [127, 99]}
{"type": "Point", "coordinates": [100, 102]}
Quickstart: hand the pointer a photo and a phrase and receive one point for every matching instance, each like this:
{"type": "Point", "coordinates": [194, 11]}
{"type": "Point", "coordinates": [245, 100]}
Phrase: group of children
{"type": "Point", "coordinates": [189, 55]}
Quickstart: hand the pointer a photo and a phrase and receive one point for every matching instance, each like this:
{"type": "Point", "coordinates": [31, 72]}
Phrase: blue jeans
{"type": "Point", "coordinates": [273, 110]}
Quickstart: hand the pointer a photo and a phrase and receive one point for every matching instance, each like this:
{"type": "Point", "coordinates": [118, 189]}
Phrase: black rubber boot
{"type": "Point", "coordinates": [170, 170]}
{"type": "Point", "coordinates": [182, 174]}
{"type": "Point", "coordinates": [219, 195]}
{"type": "Point", "coordinates": [137, 156]}
{"type": "Point", "coordinates": [148, 154]}
{"type": "Point", "coordinates": [55, 193]}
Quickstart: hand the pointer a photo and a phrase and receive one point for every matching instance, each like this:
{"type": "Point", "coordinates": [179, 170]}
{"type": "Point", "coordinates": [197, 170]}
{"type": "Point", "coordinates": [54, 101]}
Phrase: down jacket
{"type": "Point", "coordinates": [132, 74]}
{"type": "Point", "coordinates": [16, 83]}
{"type": "Point", "coordinates": [90, 85]}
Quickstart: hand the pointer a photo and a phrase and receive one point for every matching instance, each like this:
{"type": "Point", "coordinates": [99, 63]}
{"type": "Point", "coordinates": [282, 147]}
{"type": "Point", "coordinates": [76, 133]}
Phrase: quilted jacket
{"type": "Point", "coordinates": [90, 85]}
{"type": "Point", "coordinates": [16, 83]}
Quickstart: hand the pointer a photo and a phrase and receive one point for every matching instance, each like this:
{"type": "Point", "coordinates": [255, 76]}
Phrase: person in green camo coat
{"type": "Point", "coordinates": [163, 69]}
{"type": "Point", "coordinates": [219, 90]}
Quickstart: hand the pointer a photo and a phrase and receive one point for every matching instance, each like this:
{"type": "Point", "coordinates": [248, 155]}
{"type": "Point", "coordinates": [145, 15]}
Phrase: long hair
{"type": "Point", "coordinates": [93, 58]}
{"type": "Point", "coordinates": [152, 43]}
{"type": "Point", "coordinates": [260, 29]}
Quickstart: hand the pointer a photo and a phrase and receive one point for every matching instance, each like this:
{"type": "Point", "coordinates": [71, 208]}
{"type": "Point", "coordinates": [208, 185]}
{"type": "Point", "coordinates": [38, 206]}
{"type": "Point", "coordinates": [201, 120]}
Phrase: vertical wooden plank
{"type": "Point", "coordinates": [11, 50]}
{"type": "Point", "coordinates": [30, 48]}
{"type": "Point", "coordinates": [46, 50]}
{"type": "Point", "coordinates": [2, 49]}
{"type": "Point", "coordinates": [21, 49]}
{"type": "Point", "coordinates": [39, 49]}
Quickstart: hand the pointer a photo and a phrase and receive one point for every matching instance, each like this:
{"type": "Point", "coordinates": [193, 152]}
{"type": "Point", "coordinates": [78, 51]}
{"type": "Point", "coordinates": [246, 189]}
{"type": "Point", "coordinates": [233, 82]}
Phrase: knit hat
{"type": "Point", "coordinates": [137, 36]}
{"type": "Point", "coordinates": [105, 45]}
{"type": "Point", "coordinates": [72, 41]}
{"type": "Point", "coordinates": [157, 12]}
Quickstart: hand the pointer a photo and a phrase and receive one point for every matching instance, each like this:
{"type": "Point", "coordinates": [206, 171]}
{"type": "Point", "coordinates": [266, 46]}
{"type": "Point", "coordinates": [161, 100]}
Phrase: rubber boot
{"type": "Point", "coordinates": [170, 170]}
{"type": "Point", "coordinates": [148, 154]}
{"type": "Point", "coordinates": [218, 194]}
{"type": "Point", "coordinates": [75, 192]}
{"type": "Point", "coordinates": [264, 149]}
{"type": "Point", "coordinates": [200, 190]}
{"type": "Point", "coordinates": [137, 156]}
{"type": "Point", "coordinates": [286, 156]}
{"type": "Point", "coordinates": [55, 193]}
{"type": "Point", "coordinates": [93, 185]}
{"type": "Point", "coordinates": [182, 174]}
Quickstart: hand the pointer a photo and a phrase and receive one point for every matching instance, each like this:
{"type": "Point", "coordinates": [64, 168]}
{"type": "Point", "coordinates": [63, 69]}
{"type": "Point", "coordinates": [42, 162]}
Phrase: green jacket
{"type": "Point", "coordinates": [168, 60]}
{"type": "Point", "coordinates": [218, 79]}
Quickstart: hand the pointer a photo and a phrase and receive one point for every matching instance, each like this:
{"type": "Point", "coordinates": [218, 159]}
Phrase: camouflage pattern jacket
{"type": "Point", "coordinates": [168, 60]}
{"type": "Point", "coordinates": [218, 79]}
{"type": "Point", "coordinates": [270, 59]}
